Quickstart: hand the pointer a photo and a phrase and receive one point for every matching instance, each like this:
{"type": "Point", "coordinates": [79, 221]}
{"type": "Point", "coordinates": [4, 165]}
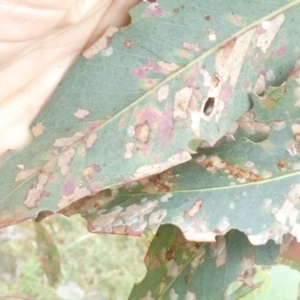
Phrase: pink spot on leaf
{"type": "Point", "coordinates": [162, 121]}
{"type": "Point", "coordinates": [191, 81]}
{"type": "Point", "coordinates": [281, 51]}
{"type": "Point", "coordinates": [154, 10]}
{"type": "Point", "coordinates": [259, 30]}
{"type": "Point", "coordinates": [149, 66]}
{"type": "Point", "coordinates": [145, 149]}
{"type": "Point", "coordinates": [96, 187]}
{"type": "Point", "coordinates": [45, 194]}
{"type": "Point", "coordinates": [165, 127]}
{"type": "Point", "coordinates": [149, 115]}
{"type": "Point", "coordinates": [155, 159]}
{"type": "Point", "coordinates": [246, 84]}
{"type": "Point", "coordinates": [68, 187]}
{"type": "Point", "coordinates": [51, 178]}
{"type": "Point", "coordinates": [96, 168]}
{"type": "Point", "coordinates": [95, 125]}
{"type": "Point", "coordinates": [226, 92]}
{"type": "Point", "coordinates": [140, 73]}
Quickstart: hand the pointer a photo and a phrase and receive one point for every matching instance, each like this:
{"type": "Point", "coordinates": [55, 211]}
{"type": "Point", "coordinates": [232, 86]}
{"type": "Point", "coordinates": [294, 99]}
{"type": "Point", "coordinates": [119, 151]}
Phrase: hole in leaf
{"type": "Point", "coordinates": [209, 106]}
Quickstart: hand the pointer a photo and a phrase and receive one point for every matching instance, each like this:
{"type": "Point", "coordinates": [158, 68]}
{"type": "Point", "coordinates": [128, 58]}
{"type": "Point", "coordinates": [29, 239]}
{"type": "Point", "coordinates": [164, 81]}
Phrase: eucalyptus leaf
{"type": "Point", "coordinates": [181, 71]}
{"type": "Point", "coordinates": [180, 269]}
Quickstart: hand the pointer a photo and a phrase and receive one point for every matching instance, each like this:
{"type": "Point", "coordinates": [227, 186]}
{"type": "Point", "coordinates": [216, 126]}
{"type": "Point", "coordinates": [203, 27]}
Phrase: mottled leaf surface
{"type": "Point", "coordinates": [246, 185]}
{"type": "Point", "coordinates": [181, 71]}
{"type": "Point", "coordinates": [279, 103]}
{"type": "Point", "coordinates": [179, 269]}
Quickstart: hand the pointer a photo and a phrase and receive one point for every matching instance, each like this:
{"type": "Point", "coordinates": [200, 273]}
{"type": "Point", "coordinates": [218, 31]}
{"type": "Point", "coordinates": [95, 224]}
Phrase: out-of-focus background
{"type": "Point", "coordinates": [78, 264]}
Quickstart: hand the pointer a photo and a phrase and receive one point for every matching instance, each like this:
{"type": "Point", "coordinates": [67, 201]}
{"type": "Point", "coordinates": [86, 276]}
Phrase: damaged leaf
{"type": "Point", "coordinates": [181, 269]}
{"type": "Point", "coordinates": [221, 188]}
{"type": "Point", "coordinates": [133, 108]}
{"type": "Point", "coordinates": [48, 253]}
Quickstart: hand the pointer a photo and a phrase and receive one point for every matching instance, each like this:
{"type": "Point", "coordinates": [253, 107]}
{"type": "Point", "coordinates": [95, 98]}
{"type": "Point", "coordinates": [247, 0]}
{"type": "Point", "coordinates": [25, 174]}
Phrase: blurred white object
{"type": "Point", "coordinates": [39, 41]}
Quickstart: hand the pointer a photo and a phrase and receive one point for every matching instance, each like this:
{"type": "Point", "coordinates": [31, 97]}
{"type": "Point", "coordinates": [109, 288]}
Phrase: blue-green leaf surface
{"type": "Point", "coordinates": [181, 71]}
{"type": "Point", "coordinates": [179, 269]}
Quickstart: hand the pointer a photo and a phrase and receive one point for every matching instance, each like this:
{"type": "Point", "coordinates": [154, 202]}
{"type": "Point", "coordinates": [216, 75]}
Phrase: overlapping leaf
{"type": "Point", "coordinates": [180, 71]}
{"type": "Point", "coordinates": [279, 103]}
{"type": "Point", "coordinates": [179, 269]}
{"type": "Point", "coordinates": [251, 184]}
{"type": "Point", "coordinates": [48, 253]}
{"type": "Point", "coordinates": [277, 282]}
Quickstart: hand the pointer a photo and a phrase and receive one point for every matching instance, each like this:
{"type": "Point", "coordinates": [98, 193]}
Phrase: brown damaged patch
{"type": "Point", "coordinates": [215, 80]}
{"type": "Point", "coordinates": [90, 140]}
{"type": "Point", "coordinates": [149, 170]}
{"type": "Point", "coordinates": [181, 103]}
{"type": "Point", "coordinates": [282, 165]}
{"type": "Point", "coordinates": [158, 183]}
{"type": "Point", "coordinates": [38, 129]}
{"type": "Point", "coordinates": [89, 171]}
{"type": "Point", "coordinates": [81, 113]}
{"type": "Point", "coordinates": [187, 279]}
{"type": "Point", "coordinates": [195, 208]}
{"type": "Point", "coordinates": [77, 194]}
{"type": "Point", "coordinates": [128, 151]}
{"type": "Point", "coordinates": [170, 254]}
{"type": "Point", "coordinates": [219, 251]}
{"type": "Point", "coordinates": [167, 68]}
{"type": "Point", "coordinates": [130, 222]}
{"type": "Point", "coordinates": [248, 123]}
{"type": "Point", "coordinates": [142, 132]}
{"type": "Point", "coordinates": [102, 43]}
{"type": "Point", "coordinates": [36, 193]}
{"type": "Point", "coordinates": [96, 201]}
{"type": "Point", "coordinates": [296, 132]}
{"type": "Point", "coordinates": [7, 219]}
{"type": "Point", "coordinates": [25, 174]}
{"type": "Point", "coordinates": [192, 46]}
{"type": "Point", "coordinates": [128, 43]}
{"type": "Point", "coordinates": [241, 173]}
{"type": "Point", "coordinates": [213, 163]}
{"type": "Point", "coordinates": [68, 141]}
{"type": "Point", "coordinates": [246, 270]}
{"type": "Point", "coordinates": [65, 159]}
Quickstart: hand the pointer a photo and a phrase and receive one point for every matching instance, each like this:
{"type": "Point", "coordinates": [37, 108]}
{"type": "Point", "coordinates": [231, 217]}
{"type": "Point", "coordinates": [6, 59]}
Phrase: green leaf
{"type": "Point", "coordinates": [245, 185]}
{"type": "Point", "coordinates": [180, 269]}
{"type": "Point", "coordinates": [48, 253]}
{"type": "Point", "coordinates": [279, 103]}
{"type": "Point", "coordinates": [180, 71]}
{"type": "Point", "coordinates": [278, 282]}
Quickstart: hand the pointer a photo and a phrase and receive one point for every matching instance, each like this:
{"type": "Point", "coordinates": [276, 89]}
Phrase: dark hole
{"type": "Point", "coordinates": [209, 106]}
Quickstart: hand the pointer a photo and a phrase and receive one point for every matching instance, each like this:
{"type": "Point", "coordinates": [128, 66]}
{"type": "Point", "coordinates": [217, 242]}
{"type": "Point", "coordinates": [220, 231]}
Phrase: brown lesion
{"type": "Point", "coordinates": [214, 163]}
{"type": "Point", "coordinates": [128, 43]}
{"type": "Point", "coordinates": [142, 132]}
{"type": "Point", "coordinates": [170, 254]}
{"type": "Point", "coordinates": [158, 182]}
{"type": "Point", "coordinates": [215, 80]}
{"type": "Point", "coordinates": [238, 172]}
{"type": "Point", "coordinates": [187, 279]}
{"type": "Point", "coordinates": [282, 165]}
